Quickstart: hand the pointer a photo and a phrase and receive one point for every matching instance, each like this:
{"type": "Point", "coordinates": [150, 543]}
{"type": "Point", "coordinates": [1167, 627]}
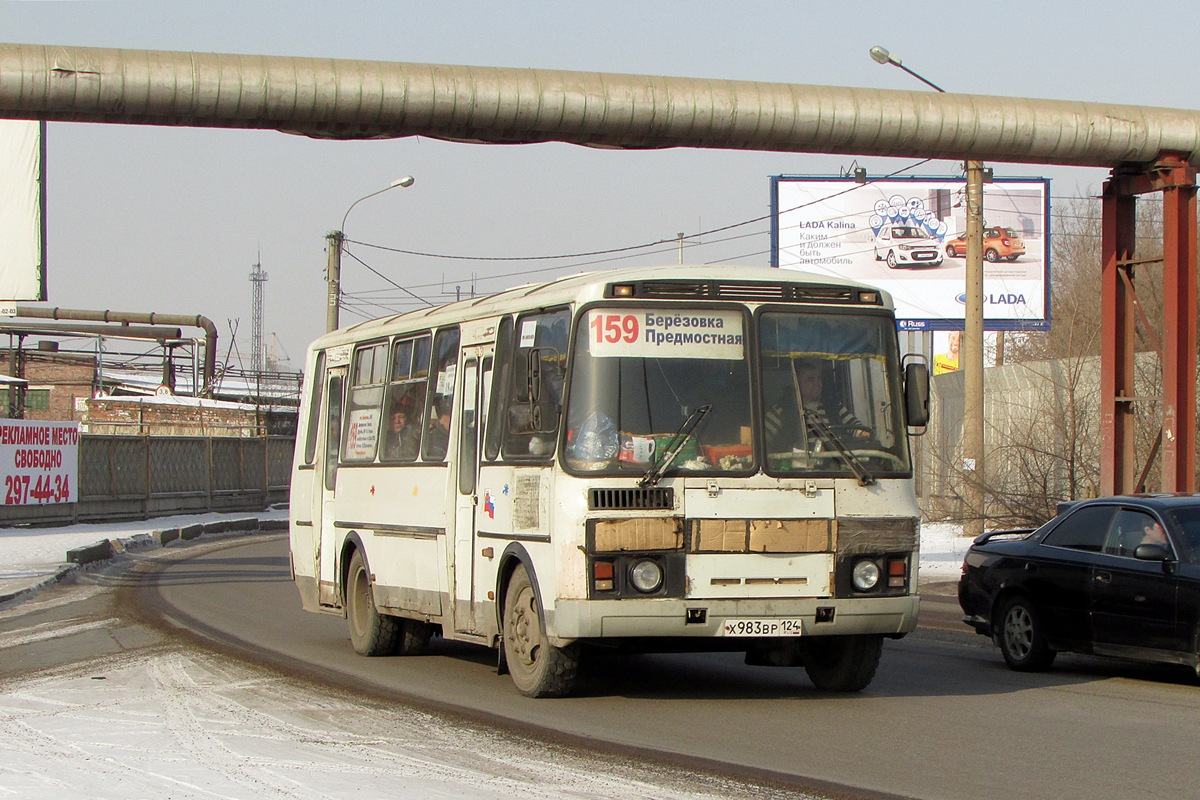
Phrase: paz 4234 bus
{"type": "Point", "coordinates": [680, 458]}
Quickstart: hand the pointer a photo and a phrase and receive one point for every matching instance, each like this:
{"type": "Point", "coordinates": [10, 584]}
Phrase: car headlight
{"type": "Point", "coordinates": [865, 575]}
{"type": "Point", "coordinates": [646, 576]}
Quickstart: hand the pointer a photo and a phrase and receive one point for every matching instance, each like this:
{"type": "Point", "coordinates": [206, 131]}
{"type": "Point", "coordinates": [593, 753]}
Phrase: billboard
{"type": "Point", "coordinates": [39, 462]}
{"type": "Point", "coordinates": [908, 237]}
{"type": "Point", "coordinates": [22, 217]}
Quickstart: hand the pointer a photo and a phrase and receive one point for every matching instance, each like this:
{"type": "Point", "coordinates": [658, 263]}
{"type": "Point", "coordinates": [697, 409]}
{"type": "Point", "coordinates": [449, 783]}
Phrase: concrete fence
{"type": "Point", "coordinates": [138, 477]}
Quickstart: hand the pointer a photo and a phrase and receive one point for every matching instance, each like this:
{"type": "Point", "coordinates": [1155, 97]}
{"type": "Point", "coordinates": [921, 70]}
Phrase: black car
{"type": "Point", "coordinates": [1114, 576]}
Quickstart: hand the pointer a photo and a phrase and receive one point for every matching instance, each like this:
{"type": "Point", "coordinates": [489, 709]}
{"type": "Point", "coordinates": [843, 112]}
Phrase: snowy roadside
{"type": "Point", "coordinates": [32, 557]}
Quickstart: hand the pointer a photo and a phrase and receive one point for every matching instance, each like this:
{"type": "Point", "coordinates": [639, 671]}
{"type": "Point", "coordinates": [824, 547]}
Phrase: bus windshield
{"type": "Point", "coordinates": [830, 394]}
{"type": "Point", "coordinates": [638, 380]}
{"type": "Point", "coordinates": [827, 406]}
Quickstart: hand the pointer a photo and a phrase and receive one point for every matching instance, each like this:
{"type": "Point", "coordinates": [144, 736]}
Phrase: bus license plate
{"type": "Point", "coordinates": [750, 626]}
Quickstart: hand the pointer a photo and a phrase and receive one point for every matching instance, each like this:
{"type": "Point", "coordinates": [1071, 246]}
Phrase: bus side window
{"type": "Point", "coordinates": [504, 348]}
{"type": "Point", "coordinates": [333, 428]}
{"type": "Point", "coordinates": [404, 411]}
{"type": "Point", "coordinates": [441, 395]}
{"type": "Point", "coordinates": [363, 414]}
{"type": "Point", "coordinates": [535, 372]}
{"type": "Point", "coordinates": [314, 410]}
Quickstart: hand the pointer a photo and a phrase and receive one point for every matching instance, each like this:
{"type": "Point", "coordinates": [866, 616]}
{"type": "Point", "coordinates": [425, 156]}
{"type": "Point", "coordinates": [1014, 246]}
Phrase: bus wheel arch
{"type": "Point", "coordinates": [537, 667]}
{"type": "Point", "coordinates": [371, 632]}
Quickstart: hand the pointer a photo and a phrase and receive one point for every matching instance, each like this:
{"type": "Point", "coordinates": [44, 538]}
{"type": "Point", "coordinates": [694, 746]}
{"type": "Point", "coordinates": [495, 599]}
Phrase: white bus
{"type": "Point", "coordinates": [699, 458]}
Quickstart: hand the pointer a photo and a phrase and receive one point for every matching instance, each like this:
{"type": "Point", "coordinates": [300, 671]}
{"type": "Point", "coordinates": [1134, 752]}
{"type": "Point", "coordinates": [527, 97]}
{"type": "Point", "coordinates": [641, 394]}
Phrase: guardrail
{"type": "Point", "coordinates": [138, 477]}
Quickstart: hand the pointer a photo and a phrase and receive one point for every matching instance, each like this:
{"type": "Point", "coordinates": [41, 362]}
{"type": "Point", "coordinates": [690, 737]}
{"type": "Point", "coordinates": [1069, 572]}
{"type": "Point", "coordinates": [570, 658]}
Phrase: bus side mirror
{"type": "Point", "coordinates": [539, 410]}
{"type": "Point", "coordinates": [916, 393]}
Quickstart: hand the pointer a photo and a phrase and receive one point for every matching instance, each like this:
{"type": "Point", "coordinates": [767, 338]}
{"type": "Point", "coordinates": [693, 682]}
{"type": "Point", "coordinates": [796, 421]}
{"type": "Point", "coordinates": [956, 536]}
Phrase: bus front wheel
{"type": "Point", "coordinates": [371, 633]}
{"type": "Point", "coordinates": [537, 668]}
{"type": "Point", "coordinates": [842, 663]}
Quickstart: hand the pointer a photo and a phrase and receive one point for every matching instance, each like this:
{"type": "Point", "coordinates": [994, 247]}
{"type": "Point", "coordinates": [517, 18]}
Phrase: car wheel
{"type": "Point", "coordinates": [891, 259]}
{"type": "Point", "coordinates": [951, 251]}
{"type": "Point", "coordinates": [537, 668]}
{"type": "Point", "coordinates": [1022, 637]}
{"type": "Point", "coordinates": [371, 633]}
{"type": "Point", "coordinates": [991, 255]}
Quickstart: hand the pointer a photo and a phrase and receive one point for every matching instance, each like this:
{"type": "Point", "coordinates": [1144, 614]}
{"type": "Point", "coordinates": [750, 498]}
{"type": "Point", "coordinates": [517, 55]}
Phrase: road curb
{"type": "Point", "coordinates": [79, 558]}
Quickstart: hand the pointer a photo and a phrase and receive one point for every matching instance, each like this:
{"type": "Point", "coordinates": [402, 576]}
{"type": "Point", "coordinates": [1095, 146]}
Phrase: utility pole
{"type": "Point", "coordinates": [971, 358]}
{"type": "Point", "coordinates": [972, 355]}
{"type": "Point", "coordinates": [333, 276]}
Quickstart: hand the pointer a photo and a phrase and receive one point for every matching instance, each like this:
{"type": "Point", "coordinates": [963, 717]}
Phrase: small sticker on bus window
{"type": "Point", "coordinates": [363, 434]}
{"type": "Point", "coordinates": [445, 380]}
{"type": "Point", "coordinates": [528, 333]}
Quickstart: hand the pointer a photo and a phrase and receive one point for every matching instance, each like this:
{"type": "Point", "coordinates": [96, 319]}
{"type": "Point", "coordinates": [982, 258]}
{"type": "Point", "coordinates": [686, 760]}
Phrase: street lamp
{"type": "Point", "coordinates": [972, 345]}
{"type": "Point", "coordinates": [336, 239]}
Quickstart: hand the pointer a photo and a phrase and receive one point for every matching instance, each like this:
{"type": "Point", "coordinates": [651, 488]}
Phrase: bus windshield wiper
{"type": "Point", "coordinates": [674, 445]}
{"type": "Point", "coordinates": [823, 429]}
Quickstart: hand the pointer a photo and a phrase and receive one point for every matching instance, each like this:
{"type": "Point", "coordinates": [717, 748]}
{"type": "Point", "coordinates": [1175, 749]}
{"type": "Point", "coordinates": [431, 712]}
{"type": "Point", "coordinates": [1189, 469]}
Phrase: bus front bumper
{"type": "Point", "coordinates": [675, 617]}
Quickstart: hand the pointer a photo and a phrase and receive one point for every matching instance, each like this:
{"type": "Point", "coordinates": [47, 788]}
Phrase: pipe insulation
{"type": "Point", "coordinates": [345, 99]}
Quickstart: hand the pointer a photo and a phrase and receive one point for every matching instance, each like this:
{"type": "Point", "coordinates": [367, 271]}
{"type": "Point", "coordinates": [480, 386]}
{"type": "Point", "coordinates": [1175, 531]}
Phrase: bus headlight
{"type": "Point", "coordinates": [865, 575]}
{"type": "Point", "coordinates": [646, 576]}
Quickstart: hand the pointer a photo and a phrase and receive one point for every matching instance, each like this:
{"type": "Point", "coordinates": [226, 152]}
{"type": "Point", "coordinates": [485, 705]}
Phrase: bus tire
{"type": "Point", "coordinates": [842, 663]}
{"type": "Point", "coordinates": [413, 638]}
{"type": "Point", "coordinates": [537, 668]}
{"type": "Point", "coordinates": [371, 633]}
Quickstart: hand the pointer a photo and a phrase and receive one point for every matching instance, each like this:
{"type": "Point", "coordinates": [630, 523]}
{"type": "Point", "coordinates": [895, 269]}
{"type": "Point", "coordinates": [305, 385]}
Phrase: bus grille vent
{"type": "Point", "coordinates": [752, 291]}
{"type": "Point", "coordinates": [624, 499]}
{"type": "Point", "coordinates": [807, 293]}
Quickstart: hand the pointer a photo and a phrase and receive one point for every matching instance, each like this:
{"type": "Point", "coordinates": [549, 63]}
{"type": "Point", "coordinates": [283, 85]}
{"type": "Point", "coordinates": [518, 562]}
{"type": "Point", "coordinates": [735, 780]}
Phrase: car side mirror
{"type": "Point", "coordinates": [1152, 552]}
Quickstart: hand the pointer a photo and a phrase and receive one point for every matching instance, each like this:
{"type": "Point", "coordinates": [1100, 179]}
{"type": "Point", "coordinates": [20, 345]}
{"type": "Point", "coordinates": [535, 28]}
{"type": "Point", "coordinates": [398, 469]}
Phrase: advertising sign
{"type": "Point", "coordinates": [907, 236]}
{"type": "Point", "coordinates": [39, 461]}
{"type": "Point", "coordinates": [22, 266]}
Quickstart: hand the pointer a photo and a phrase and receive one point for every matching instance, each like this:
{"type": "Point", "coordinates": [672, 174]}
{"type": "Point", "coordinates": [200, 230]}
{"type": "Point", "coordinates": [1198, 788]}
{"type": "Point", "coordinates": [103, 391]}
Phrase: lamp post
{"type": "Point", "coordinates": [972, 346]}
{"type": "Point", "coordinates": [336, 239]}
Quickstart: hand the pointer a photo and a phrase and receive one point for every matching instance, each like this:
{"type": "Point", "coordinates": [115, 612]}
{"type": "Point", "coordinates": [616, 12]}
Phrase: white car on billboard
{"type": "Point", "coordinates": [907, 246]}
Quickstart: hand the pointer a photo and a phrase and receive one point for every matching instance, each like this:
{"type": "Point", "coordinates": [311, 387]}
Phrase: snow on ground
{"type": "Point", "coordinates": [188, 725]}
{"type": "Point", "coordinates": [28, 552]}
{"type": "Point", "coordinates": [166, 722]}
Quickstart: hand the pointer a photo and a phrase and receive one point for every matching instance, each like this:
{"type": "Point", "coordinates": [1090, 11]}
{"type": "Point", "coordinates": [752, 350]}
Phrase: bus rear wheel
{"type": "Point", "coordinates": [842, 663]}
{"type": "Point", "coordinates": [537, 668]}
{"type": "Point", "coordinates": [371, 633]}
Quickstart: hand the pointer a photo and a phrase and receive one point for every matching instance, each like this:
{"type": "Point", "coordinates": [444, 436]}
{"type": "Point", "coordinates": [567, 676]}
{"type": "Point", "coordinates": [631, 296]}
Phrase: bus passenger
{"type": "Point", "coordinates": [403, 440]}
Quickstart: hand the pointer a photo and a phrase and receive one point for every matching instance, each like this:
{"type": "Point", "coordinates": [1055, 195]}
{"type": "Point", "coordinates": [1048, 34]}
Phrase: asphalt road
{"type": "Point", "coordinates": [944, 717]}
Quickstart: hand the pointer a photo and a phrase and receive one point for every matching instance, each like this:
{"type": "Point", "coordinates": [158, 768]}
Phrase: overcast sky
{"type": "Point", "coordinates": [173, 220]}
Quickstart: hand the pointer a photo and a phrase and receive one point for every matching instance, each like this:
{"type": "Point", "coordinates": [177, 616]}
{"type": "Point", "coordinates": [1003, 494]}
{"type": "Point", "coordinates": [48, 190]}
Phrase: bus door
{"type": "Point", "coordinates": [327, 463]}
{"type": "Point", "coordinates": [476, 380]}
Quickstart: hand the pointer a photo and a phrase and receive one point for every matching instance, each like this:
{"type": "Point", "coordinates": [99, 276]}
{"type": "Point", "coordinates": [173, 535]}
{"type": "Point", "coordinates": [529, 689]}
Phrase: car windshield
{"type": "Point", "coordinates": [1188, 520]}
{"type": "Point", "coordinates": [907, 233]}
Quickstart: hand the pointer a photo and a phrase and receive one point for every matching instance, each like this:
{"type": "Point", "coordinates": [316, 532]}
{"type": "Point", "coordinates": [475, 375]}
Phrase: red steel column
{"type": "Point", "coordinates": [1117, 469]}
{"type": "Point", "coordinates": [1179, 327]}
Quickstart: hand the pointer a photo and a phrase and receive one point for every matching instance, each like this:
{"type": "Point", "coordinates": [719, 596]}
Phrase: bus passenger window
{"type": "Point", "coordinates": [535, 375]}
{"type": "Point", "coordinates": [441, 395]}
{"type": "Point", "coordinates": [362, 422]}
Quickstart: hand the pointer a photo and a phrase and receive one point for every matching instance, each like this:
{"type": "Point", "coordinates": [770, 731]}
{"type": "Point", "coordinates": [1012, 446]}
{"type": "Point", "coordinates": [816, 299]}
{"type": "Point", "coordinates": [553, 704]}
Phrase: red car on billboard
{"type": "Point", "coordinates": [999, 244]}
